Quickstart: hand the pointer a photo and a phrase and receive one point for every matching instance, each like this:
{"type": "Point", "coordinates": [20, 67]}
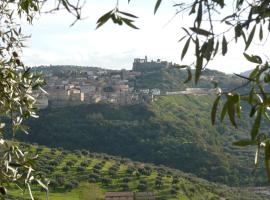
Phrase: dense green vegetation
{"type": "Point", "coordinates": [172, 79]}
{"type": "Point", "coordinates": [173, 131]}
{"type": "Point", "coordinates": [80, 175]}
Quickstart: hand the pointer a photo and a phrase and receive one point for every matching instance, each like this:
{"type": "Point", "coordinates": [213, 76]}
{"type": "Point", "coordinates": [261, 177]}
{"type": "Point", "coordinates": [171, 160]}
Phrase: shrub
{"type": "Point", "coordinates": [66, 168]}
{"type": "Point", "coordinates": [80, 169]}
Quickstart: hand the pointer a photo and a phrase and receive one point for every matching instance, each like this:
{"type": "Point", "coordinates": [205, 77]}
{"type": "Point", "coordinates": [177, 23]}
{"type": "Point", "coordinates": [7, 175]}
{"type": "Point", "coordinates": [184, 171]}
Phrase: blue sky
{"type": "Point", "coordinates": [54, 42]}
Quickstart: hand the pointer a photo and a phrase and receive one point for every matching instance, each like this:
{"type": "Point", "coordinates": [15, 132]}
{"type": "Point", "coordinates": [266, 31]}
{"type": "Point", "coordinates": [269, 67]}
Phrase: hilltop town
{"type": "Point", "coordinates": [93, 85]}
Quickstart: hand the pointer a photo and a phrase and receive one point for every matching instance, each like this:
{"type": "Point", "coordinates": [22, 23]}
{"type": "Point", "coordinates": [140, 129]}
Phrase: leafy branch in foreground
{"type": "Point", "coordinates": [17, 88]}
{"type": "Point", "coordinates": [118, 17]}
{"type": "Point", "coordinates": [246, 21]}
{"type": "Point", "coordinates": [214, 23]}
{"type": "Point", "coordinates": [258, 97]}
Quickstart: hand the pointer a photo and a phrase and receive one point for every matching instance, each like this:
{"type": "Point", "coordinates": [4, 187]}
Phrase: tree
{"type": "Point", "coordinates": [18, 85]}
{"type": "Point", "coordinates": [60, 179]}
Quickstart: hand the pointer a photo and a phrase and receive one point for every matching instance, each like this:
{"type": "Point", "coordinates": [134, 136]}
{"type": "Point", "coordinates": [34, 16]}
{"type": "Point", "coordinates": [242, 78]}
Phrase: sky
{"type": "Point", "coordinates": [54, 42]}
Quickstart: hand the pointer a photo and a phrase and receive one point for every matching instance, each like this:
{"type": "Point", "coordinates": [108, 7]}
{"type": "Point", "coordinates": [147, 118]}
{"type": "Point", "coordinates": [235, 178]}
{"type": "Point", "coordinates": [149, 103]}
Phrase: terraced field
{"type": "Point", "coordinates": [82, 175]}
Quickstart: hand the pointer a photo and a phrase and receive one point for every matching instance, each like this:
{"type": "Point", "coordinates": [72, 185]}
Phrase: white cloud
{"type": "Point", "coordinates": [112, 46]}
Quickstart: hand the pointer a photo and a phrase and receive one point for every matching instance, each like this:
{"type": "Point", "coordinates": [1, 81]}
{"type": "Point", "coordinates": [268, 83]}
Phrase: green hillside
{"type": "Point", "coordinates": [173, 79]}
{"type": "Point", "coordinates": [173, 131]}
{"type": "Point", "coordinates": [80, 175]}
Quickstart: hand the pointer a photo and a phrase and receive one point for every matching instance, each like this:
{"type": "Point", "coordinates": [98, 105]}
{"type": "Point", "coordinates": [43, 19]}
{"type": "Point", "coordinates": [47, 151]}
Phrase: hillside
{"type": "Point", "coordinates": [173, 79]}
{"type": "Point", "coordinates": [80, 175]}
{"type": "Point", "coordinates": [173, 131]}
{"type": "Point", "coordinates": [164, 79]}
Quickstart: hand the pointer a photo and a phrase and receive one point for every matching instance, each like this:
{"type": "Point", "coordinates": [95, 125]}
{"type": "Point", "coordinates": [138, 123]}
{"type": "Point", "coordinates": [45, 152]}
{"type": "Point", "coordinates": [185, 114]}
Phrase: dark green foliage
{"type": "Point", "coordinates": [159, 181]}
{"type": "Point", "coordinates": [85, 163]}
{"type": "Point", "coordinates": [60, 179]}
{"type": "Point", "coordinates": [106, 181]}
{"type": "Point", "coordinates": [174, 131]}
{"type": "Point", "coordinates": [69, 186]}
{"type": "Point", "coordinates": [80, 169]}
{"type": "Point", "coordinates": [66, 168]}
{"type": "Point", "coordinates": [70, 163]}
{"type": "Point", "coordinates": [142, 187]}
{"type": "Point", "coordinates": [124, 187]}
{"type": "Point", "coordinates": [53, 184]}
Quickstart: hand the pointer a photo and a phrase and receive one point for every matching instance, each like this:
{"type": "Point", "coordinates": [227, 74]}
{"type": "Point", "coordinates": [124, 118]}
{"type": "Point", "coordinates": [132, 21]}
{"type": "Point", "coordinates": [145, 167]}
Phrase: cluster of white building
{"type": "Point", "coordinates": [94, 85]}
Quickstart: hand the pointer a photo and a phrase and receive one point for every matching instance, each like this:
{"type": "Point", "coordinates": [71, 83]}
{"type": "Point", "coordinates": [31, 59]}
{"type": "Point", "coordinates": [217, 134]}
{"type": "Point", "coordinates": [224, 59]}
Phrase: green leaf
{"type": "Point", "coordinates": [128, 14]}
{"type": "Point", "coordinates": [209, 49]}
{"type": "Point", "coordinates": [244, 142]}
{"type": "Point", "coordinates": [129, 23]}
{"type": "Point", "coordinates": [200, 31]}
{"type": "Point", "coordinates": [224, 46]}
{"type": "Point", "coordinates": [228, 17]}
{"type": "Point", "coordinates": [238, 31]}
{"type": "Point", "coordinates": [182, 38]}
{"type": "Point", "coordinates": [117, 19]}
{"type": "Point", "coordinates": [214, 110]}
{"type": "Point", "coordinates": [198, 68]}
{"type": "Point", "coordinates": [224, 111]}
{"type": "Point", "coordinates": [157, 6]}
{"type": "Point", "coordinates": [197, 47]}
{"type": "Point", "coordinates": [238, 106]}
{"type": "Point", "coordinates": [231, 110]}
{"type": "Point", "coordinates": [199, 15]}
{"type": "Point", "coordinates": [184, 51]}
{"type": "Point", "coordinates": [253, 58]}
{"type": "Point", "coordinates": [250, 37]}
{"type": "Point", "coordinates": [216, 48]}
{"type": "Point", "coordinates": [193, 8]}
{"type": "Point", "coordinates": [256, 124]}
{"type": "Point", "coordinates": [104, 18]}
{"type": "Point", "coordinates": [254, 73]}
{"type": "Point", "coordinates": [252, 111]}
{"type": "Point", "coordinates": [220, 2]}
{"type": "Point", "coordinates": [244, 36]}
{"type": "Point", "coordinates": [261, 33]}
